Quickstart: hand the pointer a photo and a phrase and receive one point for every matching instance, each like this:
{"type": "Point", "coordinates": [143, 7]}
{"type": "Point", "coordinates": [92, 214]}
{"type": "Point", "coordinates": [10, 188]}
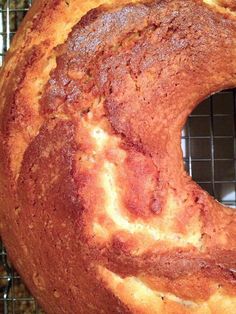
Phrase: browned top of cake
{"type": "Point", "coordinates": [227, 4]}
{"type": "Point", "coordinates": [96, 145]}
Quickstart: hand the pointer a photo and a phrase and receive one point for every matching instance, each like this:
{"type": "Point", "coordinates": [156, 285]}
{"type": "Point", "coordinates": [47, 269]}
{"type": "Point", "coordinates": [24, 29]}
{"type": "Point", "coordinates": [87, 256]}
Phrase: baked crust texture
{"type": "Point", "coordinates": [96, 210]}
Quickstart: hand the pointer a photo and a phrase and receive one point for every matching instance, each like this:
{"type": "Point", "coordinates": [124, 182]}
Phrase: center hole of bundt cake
{"type": "Point", "coordinates": [209, 146]}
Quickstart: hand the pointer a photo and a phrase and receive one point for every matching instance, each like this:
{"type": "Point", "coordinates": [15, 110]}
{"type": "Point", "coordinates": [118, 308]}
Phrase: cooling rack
{"type": "Point", "coordinates": [208, 144]}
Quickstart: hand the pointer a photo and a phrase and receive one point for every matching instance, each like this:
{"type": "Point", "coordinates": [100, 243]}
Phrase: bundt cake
{"type": "Point", "coordinates": [96, 210]}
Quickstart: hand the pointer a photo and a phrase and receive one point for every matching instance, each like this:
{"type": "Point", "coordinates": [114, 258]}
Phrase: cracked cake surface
{"type": "Point", "coordinates": [96, 210]}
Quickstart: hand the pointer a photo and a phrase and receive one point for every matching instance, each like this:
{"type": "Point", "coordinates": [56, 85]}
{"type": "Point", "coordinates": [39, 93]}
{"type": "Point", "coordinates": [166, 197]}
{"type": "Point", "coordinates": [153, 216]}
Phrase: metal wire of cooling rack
{"type": "Point", "coordinates": [208, 144]}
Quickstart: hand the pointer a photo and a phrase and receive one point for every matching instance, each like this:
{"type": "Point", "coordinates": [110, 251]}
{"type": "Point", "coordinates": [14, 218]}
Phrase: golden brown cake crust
{"type": "Point", "coordinates": [228, 4]}
{"type": "Point", "coordinates": [100, 216]}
